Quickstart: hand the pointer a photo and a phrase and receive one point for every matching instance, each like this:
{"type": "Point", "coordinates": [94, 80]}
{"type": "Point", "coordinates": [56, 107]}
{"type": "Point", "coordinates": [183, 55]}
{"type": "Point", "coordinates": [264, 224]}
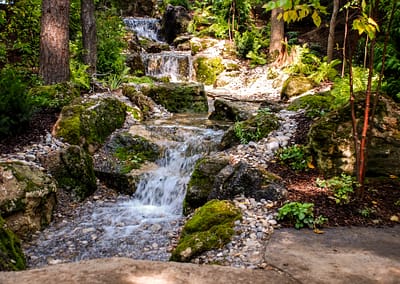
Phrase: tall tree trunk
{"type": "Point", "coordinates": [89, 39]}
{"type": "Point", "coordinates": [54, 41]}
{"type": "Point", "coordinates": [332, 25]}
{"type": "Point", "coordinates": [277, 32]}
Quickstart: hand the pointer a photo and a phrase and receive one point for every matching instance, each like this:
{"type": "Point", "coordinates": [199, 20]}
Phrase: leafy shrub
{"type": "Point", "coordinates": [244, 135]}
{"type": "Point", "coordinates": [53, 96]}
{"type": "Point", "coordinates": [301, 214]}
{"type": "Point", "coordinates": [15, 106]}
{"type": "Point", "coordinates": [296, 157]}
{"type": "Point", "coordinates": [249, 44]}
{"type": "Point", "coordinates": [342, 187]}
{"type": "Point", "coordinates": [110, 34]}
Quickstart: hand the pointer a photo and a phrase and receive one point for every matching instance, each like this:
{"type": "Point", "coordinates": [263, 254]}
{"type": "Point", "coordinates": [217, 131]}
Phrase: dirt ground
{"type": "Point", "coordinates": [339, 255]}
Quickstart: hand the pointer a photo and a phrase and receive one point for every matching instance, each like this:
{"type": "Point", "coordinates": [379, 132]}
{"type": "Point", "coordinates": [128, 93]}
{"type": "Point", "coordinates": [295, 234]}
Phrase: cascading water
{"type": "Point", "coordinates": [139, 227]}
{"type": "Point", "coordinates": [176, 65]}
{"type": "Point", "coordinates": [144, 27]}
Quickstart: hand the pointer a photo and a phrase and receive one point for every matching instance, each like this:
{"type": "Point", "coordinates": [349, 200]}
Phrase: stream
{"type": "Point", "coordinates": [140, 226]}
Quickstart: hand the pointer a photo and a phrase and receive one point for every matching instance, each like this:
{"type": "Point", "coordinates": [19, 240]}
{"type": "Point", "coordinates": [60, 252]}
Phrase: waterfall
{"type": "Point", "coordinates": [175, 65]}
{"type": "Point", "coordinates": [144, 27]}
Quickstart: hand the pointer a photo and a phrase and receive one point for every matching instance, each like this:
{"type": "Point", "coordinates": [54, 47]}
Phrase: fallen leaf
{"type": "Point", "coordinates": [394, 218]}
{"type": "Point", "coordinates": [393, 176]}
{"type": "Point", "coordinates": [318, 231]}
{"type": "Point", "coordinates": [374, 202]}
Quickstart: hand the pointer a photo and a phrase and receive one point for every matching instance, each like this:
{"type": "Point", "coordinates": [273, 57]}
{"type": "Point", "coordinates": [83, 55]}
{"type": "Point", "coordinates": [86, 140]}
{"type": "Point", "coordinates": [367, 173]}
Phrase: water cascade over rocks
{"type": "Point", "coordinates": [175, 65]}
{"type": "Point", "coordinates": [139, 227]}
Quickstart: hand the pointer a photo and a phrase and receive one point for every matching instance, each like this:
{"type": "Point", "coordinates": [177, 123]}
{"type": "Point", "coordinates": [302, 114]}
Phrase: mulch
{"type": "Point", "coordinates": [381, 201]}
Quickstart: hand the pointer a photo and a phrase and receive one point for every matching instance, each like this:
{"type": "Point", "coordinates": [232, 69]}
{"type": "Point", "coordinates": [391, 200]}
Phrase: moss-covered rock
{"type": "Point", "coordinates": [253, 129]}
{"type": "Point", "coordinates": [27, 197]}
{"type": "Point", "coordinates": [332, 146]}
{"type": "Point", "coordinates": [73, 169]}
{"type": "Point", "coordinates": [232, 111]}
{"type": "Point", "coordinates": [123, 153]}
{"type": "Point", "coordinates": [88, 123]}
{"type": "Point", "coordinates": [53, 96]}
{"type": "Point", "coordinates": [202, 180]}
{"type": "Point", "coordinates": [314, 105]}
{"type": "Point", "coordinates": [11, 255]}
{"type": "Point", "coordinates": [146, 105]}
{"type": "Point", "coordinates": [178, 97]}
{"type": "Point", "coordinates": [296, 85]}
{"type": "Point", "coordinates": [210, 227]}
{"type": "Point", "coordinates": [207, 69]}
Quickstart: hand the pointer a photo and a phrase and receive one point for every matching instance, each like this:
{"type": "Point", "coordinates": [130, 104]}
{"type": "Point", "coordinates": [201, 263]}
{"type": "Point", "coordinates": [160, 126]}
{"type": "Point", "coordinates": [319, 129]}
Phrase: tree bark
{"type": "Point", "coordinates": [277, 32]}
{"type": "Point", "coordinates": [332, 25]}
{"type": "Point", "coordinates": [89, 39]}
{"type": "Point", "coordinates": [54, 41]}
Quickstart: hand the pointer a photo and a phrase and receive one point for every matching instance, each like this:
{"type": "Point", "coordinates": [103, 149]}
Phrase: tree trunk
{"type": "Point", "coordinates": [54, 41]}
{"type": "Point", "coordinates": [277, 32]}
{"type": "Point", "coordinates": [89, 39]}
{"type": "Point", "coordinates": [332, 25]}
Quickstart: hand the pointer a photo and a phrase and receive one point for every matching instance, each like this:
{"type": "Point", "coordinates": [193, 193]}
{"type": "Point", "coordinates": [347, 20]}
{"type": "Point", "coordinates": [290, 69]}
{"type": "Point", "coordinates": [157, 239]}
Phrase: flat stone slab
{"type": "Point", "coordinates": [340, 255]}
{"type": "Point", "coordinates": [129, 271]}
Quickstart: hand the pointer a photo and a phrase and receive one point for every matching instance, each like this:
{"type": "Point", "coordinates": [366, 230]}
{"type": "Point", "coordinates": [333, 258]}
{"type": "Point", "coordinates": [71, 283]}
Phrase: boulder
{"type": "Point", "coordinates": [137, 8]}
{"type": "Point", "coordinates": [117, 160]}
{"type": "Point", "coordinates": [72, 167]}
{"type": "Point", "coordinates": [27, 197]}
{"type": "Point", "coordinates": [135, 63]}
{"type": "Point", "coordinates": [178, 97]}
{"type": "Point", "coordinates": [296, 85]}
{"type": "Point", "coordinates": [252, 129]}
{"type": "Point", "coordinates": [11, 255]}
{"type": "Point", "coordinates": [88, 122]}
{"type": "Point", "coordinates": [202, 179]}
{"type": "Point", "coordinates": [232, 110]}
{"type": "Point", "coordinates": [331, 143]}
{"type": "Point", "coordinates": [174, 22]}
{"type": "Point", "coordinates": [214, 177]}
{"type": "Point", "coordinates": [211, 227]}
{"type": "Point", "coordinates": [247, 180]}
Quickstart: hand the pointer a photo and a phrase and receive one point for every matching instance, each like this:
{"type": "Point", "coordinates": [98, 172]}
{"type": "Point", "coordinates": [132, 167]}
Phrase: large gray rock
{"type": "Point", "coordinates": [27, 197]}
{"type": "Point", "coordinates": [119, 163]}
{"type": "Point", "coordinates": [332, 146]}
{"type": "Point", "coordinates": [215, 178]}
{"type": "Point", "coordinates": [232, 111]}
{"type": "Point", "coordinates": [72, 167]}
{"type": "Point", "coordinates": [174, 22]}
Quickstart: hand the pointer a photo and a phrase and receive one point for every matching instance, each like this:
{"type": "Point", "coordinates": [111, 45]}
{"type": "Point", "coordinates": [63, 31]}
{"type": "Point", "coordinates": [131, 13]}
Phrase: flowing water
{"type": "Point", "coordinates": [139, 226]}
{"type": "Point", "coordinates": [175, 65]}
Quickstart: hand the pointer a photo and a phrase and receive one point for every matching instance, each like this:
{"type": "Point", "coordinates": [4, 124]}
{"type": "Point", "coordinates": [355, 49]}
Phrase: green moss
{"type": "Point", "coordinates": [132, 152]}
{"type": "Point", "coordinates": [207, 69]}
{"type": "Point", "coordinates": [89, 123]}
{"type": "Point", "coordinates": [11, 254]}
{"type": "Point", "coordinates": [315, 105]}
{"type": "Point", "coordinates": [53, 96]}
{"type": "Point", "coordinates": [210, 227]}
{"type": "Point", "coordinates": [179, 97]}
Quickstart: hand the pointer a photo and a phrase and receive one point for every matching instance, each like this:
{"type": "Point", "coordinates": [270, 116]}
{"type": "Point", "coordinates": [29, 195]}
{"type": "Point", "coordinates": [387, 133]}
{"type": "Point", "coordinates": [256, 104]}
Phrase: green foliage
{"type": "Point", "coordinates": [52, 96]}
{"type": "Point", "coordinates": [310, 64]}
{"type": "Point", "coordinates": [341, 87]}
{"type": "Point", "coordinates": [342, 187]}
{"type": "Point", "coordinates": [250, 45]}
{"type": "Point", "coordinates": [11, 254]}
{"type": "Point", "coordinates": [296, 10]}
{"type": "Point", "coordinates": [301, 214]}
{"type": "Point", "coordinates": [110, 36]}
{"type": "Point", "coordinates": [140, 80]}
{"type": "Point", "coordinates": [20, 33]}
{"type": "Point", "coordinates": [15, 105]}
{"type": "Point", "coordinates": [296, 157]}
{"type": "Point", "coordinates": [366, 212]}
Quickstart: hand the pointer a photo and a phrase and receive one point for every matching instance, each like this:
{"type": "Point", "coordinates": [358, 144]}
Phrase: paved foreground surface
{"type": "Point", "coordinates": [340, 255]}
{"type": "Point", "coordinates": [128, 271]}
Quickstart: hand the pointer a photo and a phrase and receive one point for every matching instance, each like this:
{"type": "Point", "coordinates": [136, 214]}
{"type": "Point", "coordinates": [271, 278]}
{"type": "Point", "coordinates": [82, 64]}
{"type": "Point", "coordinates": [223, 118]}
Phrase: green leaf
{"type": "Point", "coordinates": [316, 18]}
